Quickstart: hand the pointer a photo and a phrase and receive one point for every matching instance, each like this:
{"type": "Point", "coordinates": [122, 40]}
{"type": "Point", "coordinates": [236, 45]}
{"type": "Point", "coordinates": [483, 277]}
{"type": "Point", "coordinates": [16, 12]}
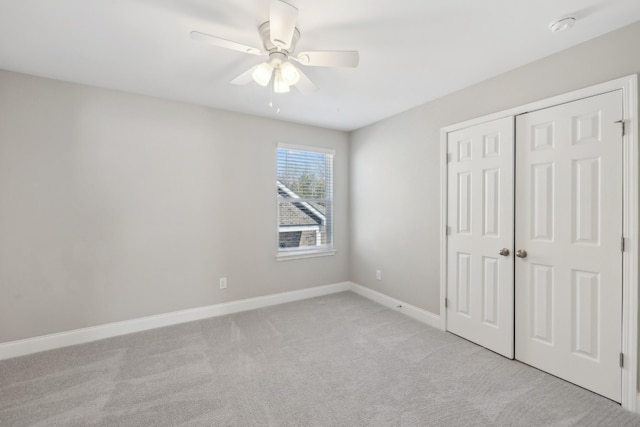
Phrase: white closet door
{"type": "Point", "coordinates": [480, 225]}
{"type": "Point", "coordinates": [569, 221]}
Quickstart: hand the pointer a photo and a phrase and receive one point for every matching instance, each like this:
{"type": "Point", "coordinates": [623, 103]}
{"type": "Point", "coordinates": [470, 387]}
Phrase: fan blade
{"type": "Point", "coordinates": [244, 78]}
{"type": "Point", "coordinates": [329, 58]}
{"type": "Point", "coordinates": [305, 85]}
{"type": "Point", "coordinates": [227, 44]}
{"type": "Point", "coordinates": [282, 23]}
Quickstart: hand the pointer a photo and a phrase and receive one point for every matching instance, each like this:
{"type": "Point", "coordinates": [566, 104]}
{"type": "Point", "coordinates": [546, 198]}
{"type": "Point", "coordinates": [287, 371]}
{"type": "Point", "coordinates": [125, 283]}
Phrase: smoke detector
{"type": "Point", "coordinates": [562, 24]}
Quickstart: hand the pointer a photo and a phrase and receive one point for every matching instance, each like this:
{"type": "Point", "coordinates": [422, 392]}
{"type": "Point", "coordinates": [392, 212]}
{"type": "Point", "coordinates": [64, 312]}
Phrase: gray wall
{"type": "Point", "coordinates": [116, 206]}
{"type": "Point", "coordinates": [395, 181]}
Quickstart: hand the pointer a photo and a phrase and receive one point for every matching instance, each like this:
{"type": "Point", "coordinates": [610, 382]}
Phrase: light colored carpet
{"type": "Point", "coordinates": [337, 360]}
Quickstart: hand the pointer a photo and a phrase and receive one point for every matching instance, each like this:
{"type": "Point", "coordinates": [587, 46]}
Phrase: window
{"type": "Point", "coordinates": [305, 201]}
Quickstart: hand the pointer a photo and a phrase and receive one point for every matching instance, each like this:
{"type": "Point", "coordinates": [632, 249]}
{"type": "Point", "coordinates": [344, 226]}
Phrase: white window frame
{"type": "Point", "coordinates": [307, 252]}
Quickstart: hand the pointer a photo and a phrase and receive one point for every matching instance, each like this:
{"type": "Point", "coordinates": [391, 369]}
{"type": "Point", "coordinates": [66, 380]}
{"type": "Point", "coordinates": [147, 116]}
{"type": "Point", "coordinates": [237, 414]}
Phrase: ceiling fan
{"type": "Point", "coordinates": [279, 37]}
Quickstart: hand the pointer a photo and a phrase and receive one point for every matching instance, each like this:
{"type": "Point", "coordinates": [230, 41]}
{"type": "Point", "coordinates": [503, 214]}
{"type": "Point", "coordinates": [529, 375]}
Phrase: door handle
{"type": "Point", "coordinates": [521, 253]}
{"type": "Point", "coordinates": [504, 252]}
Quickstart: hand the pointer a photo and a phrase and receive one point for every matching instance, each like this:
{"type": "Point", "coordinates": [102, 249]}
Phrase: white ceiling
{"type": "Point", "coordinates": [411, 51]}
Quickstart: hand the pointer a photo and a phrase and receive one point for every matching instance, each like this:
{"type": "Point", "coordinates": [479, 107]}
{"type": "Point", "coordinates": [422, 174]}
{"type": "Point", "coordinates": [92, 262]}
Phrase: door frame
{"type": "Point", "coordinates": [630, 215]}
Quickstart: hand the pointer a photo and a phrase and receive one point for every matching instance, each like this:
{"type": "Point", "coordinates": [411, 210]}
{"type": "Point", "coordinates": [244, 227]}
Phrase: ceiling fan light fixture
{"type": "Point", "coordinates": [279, 37]}
{"type": "Point", "coordinates": [281, 88]}
{"type": "Point", "coordinates": [262, 74]}
{"type": "Point", "coordinates": [289, 73]}
{"type": "Point", "coordinates": [279, 85]}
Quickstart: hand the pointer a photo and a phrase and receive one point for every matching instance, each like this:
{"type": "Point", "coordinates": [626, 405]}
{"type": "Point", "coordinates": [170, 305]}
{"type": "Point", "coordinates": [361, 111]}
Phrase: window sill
{"type": "Point", "coordinates": [286, 256]}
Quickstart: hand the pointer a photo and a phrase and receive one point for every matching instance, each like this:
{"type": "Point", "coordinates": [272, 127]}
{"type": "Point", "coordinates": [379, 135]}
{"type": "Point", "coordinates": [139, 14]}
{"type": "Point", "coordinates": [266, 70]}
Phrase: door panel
{"type": "Point", "coordinates": [541, 303]}
{"type": "Point", "coordinates": [490, 290]}
{"type": "Point", "coordinates": [480, 209]}
{"type": "Point", "coordinates": [569, 220]}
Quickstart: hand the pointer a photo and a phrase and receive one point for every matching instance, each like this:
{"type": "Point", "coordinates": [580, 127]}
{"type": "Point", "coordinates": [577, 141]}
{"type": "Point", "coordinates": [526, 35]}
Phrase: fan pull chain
{"type": "Point", "coordinates": [271, 91]}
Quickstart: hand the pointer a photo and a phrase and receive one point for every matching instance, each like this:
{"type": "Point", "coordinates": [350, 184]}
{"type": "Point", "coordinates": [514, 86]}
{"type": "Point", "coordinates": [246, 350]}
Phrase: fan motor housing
{"type": "Point", "coordinates": [277, 58]}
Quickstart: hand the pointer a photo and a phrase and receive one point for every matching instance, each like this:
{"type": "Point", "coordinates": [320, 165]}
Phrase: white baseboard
{"type": "Point", "coordinates": [417, 313]}
{"type": "Point", "coordinates": [94, 333]}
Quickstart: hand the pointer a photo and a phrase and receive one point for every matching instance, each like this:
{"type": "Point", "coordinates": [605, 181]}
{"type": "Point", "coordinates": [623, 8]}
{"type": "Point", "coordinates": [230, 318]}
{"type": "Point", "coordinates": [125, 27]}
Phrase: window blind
{"type": "Point", "coordinates": [305, 198]}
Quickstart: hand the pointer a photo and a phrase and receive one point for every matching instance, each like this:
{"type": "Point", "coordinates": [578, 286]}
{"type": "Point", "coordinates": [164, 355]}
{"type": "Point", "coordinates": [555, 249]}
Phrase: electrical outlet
{"type": "Point", "coordinates": [223, 283]}
{"type": "Point", "coordinates": [378, 274]}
